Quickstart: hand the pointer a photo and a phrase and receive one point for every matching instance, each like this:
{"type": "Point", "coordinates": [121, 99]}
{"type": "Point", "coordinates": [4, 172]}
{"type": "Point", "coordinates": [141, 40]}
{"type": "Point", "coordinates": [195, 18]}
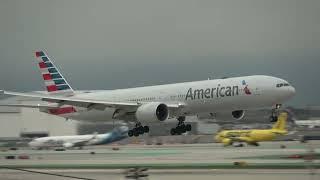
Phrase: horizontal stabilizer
{"type": "Point", "coordinates": [29, 105]}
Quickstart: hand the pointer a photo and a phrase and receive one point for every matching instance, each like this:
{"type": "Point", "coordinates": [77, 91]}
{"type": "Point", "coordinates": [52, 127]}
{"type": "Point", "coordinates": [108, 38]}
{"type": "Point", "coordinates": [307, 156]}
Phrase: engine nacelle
{"type": "Point", "coordinates": [152, 112]}
{"type": "Point", "coordinates": [238, 115]}
{"type": "Point", "coordinates": [223, 116]}
{"type": "Point", "coordinates": [67, 145]}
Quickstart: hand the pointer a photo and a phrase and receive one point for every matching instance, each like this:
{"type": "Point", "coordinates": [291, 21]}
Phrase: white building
{"type": "Point", "coordinates": [16, 121]}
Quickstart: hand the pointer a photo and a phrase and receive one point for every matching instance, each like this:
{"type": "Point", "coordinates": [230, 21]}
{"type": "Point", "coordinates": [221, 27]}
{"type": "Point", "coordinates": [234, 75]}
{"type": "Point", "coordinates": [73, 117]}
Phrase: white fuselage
{"type": "Point", "coordinates": [308, 123]}
{"type": "Point", "coordinates": [230, 94]}
{"type": "Point", "coordinates": [61, 141]}
{"type": "Point", "coordinates": [117, 134]}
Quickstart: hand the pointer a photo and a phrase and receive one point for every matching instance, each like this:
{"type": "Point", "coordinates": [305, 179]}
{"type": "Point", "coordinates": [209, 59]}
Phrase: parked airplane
{"type": "Point", "coordinates": [252, 137]}
{"type": "Point", "coordinates": [308, 123]}
{"type": "Point", "coordinates": [157, 103]}
{"type": "Point", "coordinates": [116, 134]}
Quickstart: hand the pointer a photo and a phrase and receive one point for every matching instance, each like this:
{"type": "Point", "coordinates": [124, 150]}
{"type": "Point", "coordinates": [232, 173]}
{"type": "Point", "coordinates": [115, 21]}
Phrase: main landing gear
{"type": "Point", "coordinates": [181, 127]}
{"type": "Point", "coordinates": [274, 113]}
{"type": "Point", "coordinates": [254, 144]}
{"type": "Point", "coordinates": [238, 145]}
{"type": "Point", "coordinates": [138, 130]}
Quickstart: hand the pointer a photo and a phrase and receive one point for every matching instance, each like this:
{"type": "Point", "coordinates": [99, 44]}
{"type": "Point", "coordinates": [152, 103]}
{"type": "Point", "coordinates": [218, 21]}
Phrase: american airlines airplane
{"type": "Point", "coordinates": [157, 103]}
{"type": "Point", "coordinates": [116, 134]}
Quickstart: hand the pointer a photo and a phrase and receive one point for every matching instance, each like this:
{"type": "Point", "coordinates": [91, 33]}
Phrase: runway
{"type": "Point", "coordinates": [170, 161]}
{"type": "Point", "coordinates": [164, 154]}
{"type": "Point", "coordinates": [229, 174]}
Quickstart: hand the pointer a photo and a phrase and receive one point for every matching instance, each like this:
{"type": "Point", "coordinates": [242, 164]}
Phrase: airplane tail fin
{"type": "Point", "coordinates": [54, 81]}
{"type": "Point", "coordinates": [281, 122]}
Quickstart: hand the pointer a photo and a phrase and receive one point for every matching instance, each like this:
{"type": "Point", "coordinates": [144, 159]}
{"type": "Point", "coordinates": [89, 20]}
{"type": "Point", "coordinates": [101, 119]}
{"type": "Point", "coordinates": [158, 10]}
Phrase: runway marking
{"type": "Point", "coordinates": [46, 173]}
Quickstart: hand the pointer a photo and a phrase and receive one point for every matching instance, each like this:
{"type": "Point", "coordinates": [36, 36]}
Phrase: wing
{"type": "Point", "coordinates": [70, 100]}
{"type": "Point", "coordinates": [87, 103]}
{"type": "Point", "coordinates": [76, 143]}
{"type": "Point", "coordinates": [79, 143]}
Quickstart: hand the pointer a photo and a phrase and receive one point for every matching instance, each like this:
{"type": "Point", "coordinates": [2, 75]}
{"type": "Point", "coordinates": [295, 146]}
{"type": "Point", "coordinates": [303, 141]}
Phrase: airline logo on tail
{"type": "Point", "coordinates": [54, 81]}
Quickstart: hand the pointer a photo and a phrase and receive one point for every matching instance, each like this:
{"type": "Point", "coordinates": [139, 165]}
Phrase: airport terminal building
{"type": "Point", "coordinates": [28, 122]}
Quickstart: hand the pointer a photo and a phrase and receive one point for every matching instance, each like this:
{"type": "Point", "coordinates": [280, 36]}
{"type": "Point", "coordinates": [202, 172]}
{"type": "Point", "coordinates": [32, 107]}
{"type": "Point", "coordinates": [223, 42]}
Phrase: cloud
{"type": "Point", "coordinates": [117, 44]}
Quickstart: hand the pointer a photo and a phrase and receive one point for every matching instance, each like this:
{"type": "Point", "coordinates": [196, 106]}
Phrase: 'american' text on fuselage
{"type": "Point", "coordinates": [212, 92]}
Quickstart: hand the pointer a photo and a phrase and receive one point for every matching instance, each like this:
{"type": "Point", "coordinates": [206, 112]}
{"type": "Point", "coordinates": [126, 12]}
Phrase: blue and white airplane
{"type": "Point", "coordinates": [157, 103]}
{"type": "Point", "coordinates": [116, 134]}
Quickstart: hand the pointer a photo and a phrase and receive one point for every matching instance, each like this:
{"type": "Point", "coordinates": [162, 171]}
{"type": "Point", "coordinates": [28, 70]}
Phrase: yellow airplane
{"type": "Point", "coordinates": [253, 136]}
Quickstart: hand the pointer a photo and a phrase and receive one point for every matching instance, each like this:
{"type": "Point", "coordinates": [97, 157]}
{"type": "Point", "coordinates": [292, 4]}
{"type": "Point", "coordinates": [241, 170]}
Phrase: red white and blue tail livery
{"type": "Point", "coordinates": [53, 79]}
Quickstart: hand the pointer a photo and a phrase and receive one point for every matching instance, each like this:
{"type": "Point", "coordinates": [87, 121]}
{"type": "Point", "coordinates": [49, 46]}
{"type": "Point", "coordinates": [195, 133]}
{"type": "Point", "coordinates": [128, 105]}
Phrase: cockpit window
{"type": "Point", "coordinates": [282, 84]}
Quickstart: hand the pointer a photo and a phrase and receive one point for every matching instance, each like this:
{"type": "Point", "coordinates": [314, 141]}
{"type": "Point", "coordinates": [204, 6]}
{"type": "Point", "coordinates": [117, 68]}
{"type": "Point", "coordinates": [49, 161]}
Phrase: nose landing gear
{"type": "Point", "coordinates": [181, 127]}
{"type": "Point", "coordinates": [274, 113]}
{"type": "Point", "coordinates": [138, 130]}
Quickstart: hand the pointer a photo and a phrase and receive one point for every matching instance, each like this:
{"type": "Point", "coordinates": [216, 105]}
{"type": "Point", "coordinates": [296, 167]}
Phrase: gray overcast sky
{"type": "Point", "coordinates": [119, 44]}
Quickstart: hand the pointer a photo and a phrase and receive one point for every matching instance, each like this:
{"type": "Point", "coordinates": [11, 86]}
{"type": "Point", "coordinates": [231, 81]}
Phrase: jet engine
{"type": "Point", "coordinates": [152, 111]}
{"type": "Point", "coordinates": [68, 145]}
{"type": "Point", "coordinates": [238, 115]}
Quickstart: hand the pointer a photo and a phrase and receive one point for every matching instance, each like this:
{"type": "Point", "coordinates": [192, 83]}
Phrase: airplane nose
{"type": "Point", "coordinates": [31, 144]}
{"type": "Point", "coordinates": [217, 138]}
{"type": "Point", "coordinates": [292, 91]}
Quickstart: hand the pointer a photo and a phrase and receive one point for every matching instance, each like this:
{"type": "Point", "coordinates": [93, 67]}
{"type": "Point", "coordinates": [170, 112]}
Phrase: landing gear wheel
{"type": "Point", "coordinates": [255, 144]}
{"type": "Point", "coordinates": [181, 127]}
{"type": "Point", "coordinates": [135, 133]}
{"type": "Point", "coordinates": [138, 130]}
{"type": "Point", "coordinates": [173, 131]}
{"type": "Point", "coordinates": [146, 129]}
{"type": "Point", "coordinates": [188, 127]}
{"type": "Point", "coordinates": [274, 113]}
{"type": "Point", "coordinates": [273, 118]}
{"type": "Point", "coordinates": [238, 145]}
{"type": "Point", "coordinates": [130, 133]}
{"type": "Point", "coordinates": [178, 131]}
{"type": "Point", "coordinates": [184, 129]}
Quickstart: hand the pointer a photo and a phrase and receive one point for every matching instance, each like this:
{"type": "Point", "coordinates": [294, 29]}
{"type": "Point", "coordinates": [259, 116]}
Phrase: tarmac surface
{"type": "Point", "coordinates": [206, 161]}
{"type": "Point", "coordinates": [227, 174]}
